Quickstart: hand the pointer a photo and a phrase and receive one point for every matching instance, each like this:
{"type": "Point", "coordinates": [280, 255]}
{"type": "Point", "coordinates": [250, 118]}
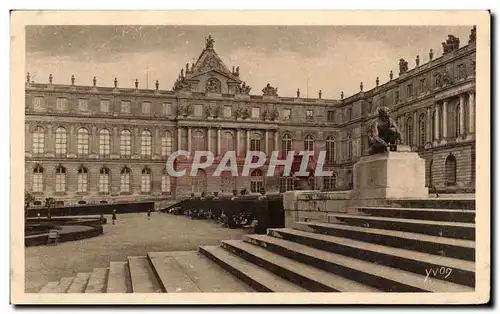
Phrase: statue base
{"type": "Point", "coordinates": [390, 175]}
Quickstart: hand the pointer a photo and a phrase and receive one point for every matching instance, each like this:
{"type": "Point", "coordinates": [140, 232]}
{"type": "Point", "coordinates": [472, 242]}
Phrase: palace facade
{"type": "Point", "coordinates": [92, 144]}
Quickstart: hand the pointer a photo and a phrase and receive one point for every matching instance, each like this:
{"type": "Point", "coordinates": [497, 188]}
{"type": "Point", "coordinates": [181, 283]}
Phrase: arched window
{"type": "Point", "coordinates": [330, 183]}
{"type": "Point", "coordinates": [457, 120]}
{"type": "Point", "coordinates": [421, 126]}
{"type": "Point", "coordinates": [38, 179]}
{"type": "Point", "coordinates": [125, 143]}
{"type": "Point", "coordinates": [104, 143]}
{"type": "Point", "coordinates": [146, 180]}
{"type": "Point", "coordinates": [227, 142]}
{"type": "Point", "coordinates": [256, 181]}
{"type": "Point", "coordinates": [166, 144]}
{"type": "Point", "coordinates": [146, 144]}
{"type": "Point", "coordinates": [349, 147]}
{"type": "Point", "coordinates": [82, 180]}
{"type": "Point", "coordinates": [450, 170]}
{"type": "Point", "coordinates": [330, 149]}
{"type": "Point", "coordinates": [309, 143]}
{"type": "Point", "coordinates": [39, 140]}
{"type": "Point", "coordinates": [166, 185]}
{"type": "Point", "coordinates": [104, 180]}
{"type": "Point", "coordinates": [198, 141]}
{"type": "Point", "coordinates": [409, 131]}
{"type": "Point", "coordinates": [227, 182]}
{"type": "Point", "coordinates": [433, 125]}
{"type": "Point", "coordinates": [199, 182]}
{"type": "Point", "coordinates": [255, 142]}
{"type": "Point", "coordinates": [125, 180]}
{"type": "Point", "coordinates": [286, 184]}
{"type": "Point", "coordinates": [61, 141]}
{"type": "Point", "coordinates": [286, 144]}
{"type": "Point", "coordinates": [60, 179]}
{"type": "Point", "coordinates": [82, 142]}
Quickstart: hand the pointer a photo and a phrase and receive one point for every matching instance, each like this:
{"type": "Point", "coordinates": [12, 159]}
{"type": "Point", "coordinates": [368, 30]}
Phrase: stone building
{"type": "Point", "coordinates": [91, 144]}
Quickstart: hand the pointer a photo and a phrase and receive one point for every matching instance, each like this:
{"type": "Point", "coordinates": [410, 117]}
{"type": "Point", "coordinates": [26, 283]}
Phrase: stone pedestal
{"type": "Point", "coordinates": [390, 175]}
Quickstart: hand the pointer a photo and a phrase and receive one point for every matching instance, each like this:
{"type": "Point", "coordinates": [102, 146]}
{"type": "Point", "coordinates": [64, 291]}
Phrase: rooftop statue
{"type": "Point", "coordinates": [384, 134]}
{"type": "Point", "coordinates": [269, 90]}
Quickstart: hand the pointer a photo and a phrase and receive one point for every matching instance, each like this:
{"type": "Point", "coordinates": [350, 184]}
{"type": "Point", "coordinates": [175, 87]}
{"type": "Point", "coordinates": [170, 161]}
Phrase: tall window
{"type": "Point", "coordinates": [396, 97]}
{"type": "Point", "coordinates": [256, 181]}
{"type": "Point", "coordinates": [409, 90]}
{"type": "Point", "coordinates": [331, 116]}
{"type": "Point", "coordinates": [125, 106]}
{"type": "Point", "coordinates": [227, 142]}
{"type": "Point", "coordinates": [39, 140]}
{"type": "Point", "coordinates": [38, 103]}
{"type": "Point", "coordinates": [198, 110]}
{"type": "Point", "coordinates": [227, 111]}
{"type": "Point", "coordinates": [255, 113]}
{"type": "Point", "coordinates": [421, 126]}
{"type": "Point", "coordinates": [167, 109]}
{"type": "Point", "coordinates": [61, 141]}
{"type": "Point", "coordinates": [83, 142]}
{"type": "Point", "coordinates": [83, 104]}
{"type": "Point", "coordinates": [433, 125]}
{"type": "Point", "coordinates": [146, 180]}
{"type": "Point", "coordinates": [60, 179]}
{"type": "Point", "coordinates": [125, 143]}
{"type": "Point", "coordinates": [409, 131]}
{"type": "Point", "coordinates": [166, 186]}
{"type": "Point", "coordinates": [198, 141]}
{"type": "Point", "coordinates": [61, 104]}
{"type": "Point", "coordinates": [349, 147]}
{"type": "Point", "coordinates": [349, 114]}
{"type": "Point", "coordinates": [309, 143]}
{"type": "Point", "coordinates": [286, 184]}
{"type": "Point", "coordinates": [166, 144]}
{"type": "Point", "coordinates": [330, 183]}
{"type": "Point", "coordinates": [82, 180]}
{"type": "Point", "coordinates": [104, 105]}
{"type": "Point", "coordinates": [330, 149]}
{"type": "Point", "coordinates": [38, 179]}
{"type": "Point", "coordinates": [457, 121]}
{"type": "Point", "coordinates": [199, 182]}
{"type": "Point", "coordinates": [104, 180]}
{"type": "Point", "coordinates": [286, 144]}
{"type": "Point", "coordinates": [146, 143]}
{"type": "Point", "coordinates": [287, 114]}
{"type": "Point", "coordinates": [104, 143]}
{"type": "Point", "coordinates": [146, 107]}
{"type": "Point", "coordinates": [466, 114]}
{"type": "Point", "coordinates": [125, 180]}
{"type": "Point", "coordinates": [422, 85]}
{"type": "Point", "coordinates": [450, 171]}
{"type": "Point", "coordinates": [255, 142]}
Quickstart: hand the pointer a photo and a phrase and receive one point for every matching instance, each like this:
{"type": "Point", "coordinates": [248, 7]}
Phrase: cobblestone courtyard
{"type": "Point", "coordinates": [132, 235]}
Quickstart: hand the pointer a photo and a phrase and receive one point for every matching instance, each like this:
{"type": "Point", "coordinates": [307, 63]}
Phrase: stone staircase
{"type": "Point", "coordinates": [365, 249]}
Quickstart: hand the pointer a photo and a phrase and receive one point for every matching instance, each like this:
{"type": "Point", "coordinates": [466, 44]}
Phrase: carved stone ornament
{"type": "Point", "coordinates": [269, 90]}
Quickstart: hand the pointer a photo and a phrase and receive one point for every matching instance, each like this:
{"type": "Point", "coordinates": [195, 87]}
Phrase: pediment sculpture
{"type": "Point", "coordinates": [213, 85]}
{"type": "Point", "coordinates": [242, 113]}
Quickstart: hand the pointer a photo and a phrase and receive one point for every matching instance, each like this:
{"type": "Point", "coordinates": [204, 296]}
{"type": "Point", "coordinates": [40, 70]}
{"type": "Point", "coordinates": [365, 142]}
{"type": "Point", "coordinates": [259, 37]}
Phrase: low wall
{"type": "Point", "coordinates": [85, 233]}
{"type": "Point", "coordinates": [125, 208]}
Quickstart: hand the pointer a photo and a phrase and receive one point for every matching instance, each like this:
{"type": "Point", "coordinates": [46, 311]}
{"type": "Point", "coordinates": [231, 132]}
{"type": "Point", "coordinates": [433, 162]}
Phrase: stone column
{"type": "Point", "coordinates": [28, 135]}
{"type": "Point", "coordinates": [472, 104]}
{"type": "Point", "coordinates": [209, 139]}
{"type": "Point", "coordinates": [218, 141]}
{"type": "Point", "coordinates": [436, 122]}
{"type": "Point", "coordinates": [179, 146]}
{"type": "Point", "coordinates": [445, 119]}
{"type": "Point", "coordinates": [416, 131]}
{"type": "Point", "coordinates": [237, 142]}
{"type": "Point", "coordinates": [50, 141]}
{"type": "Point", "coordinates": [156, 142]}
{"type": "Point", "coordinates": [428, 127]}
{"type": "Point", "coordinates": [136, 142]}
{"type": "Point", "coordinates": [276, 140]}
{"type": "Point", "coordinates": [72, 139]}
{"type": "Point", "coordinates": [248, 140]}
{"type": "Point", "coordinates": [266, 146]}
{"type": "Point", "coordinates": [93, 142]}
{"type": "Point", "coordinates": [115, 142]}
{"type": "Point", "coordinates": [189, 139]}
{"type": "Point", "coordinates": [462, 121]}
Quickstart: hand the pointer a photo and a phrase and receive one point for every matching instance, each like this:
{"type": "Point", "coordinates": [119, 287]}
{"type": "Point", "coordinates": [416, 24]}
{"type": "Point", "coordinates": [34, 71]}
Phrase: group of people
{"type": "Point", "coordinates": [232, 221]}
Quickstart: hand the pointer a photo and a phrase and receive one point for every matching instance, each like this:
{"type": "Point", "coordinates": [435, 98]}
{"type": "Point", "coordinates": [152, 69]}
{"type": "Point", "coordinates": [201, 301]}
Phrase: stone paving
{"type": "Point", "coordinates": [133, 235]}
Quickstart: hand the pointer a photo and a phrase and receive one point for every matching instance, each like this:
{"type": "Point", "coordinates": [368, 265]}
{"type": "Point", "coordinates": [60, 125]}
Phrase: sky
{"type": "Point", "coordinates": [312, 58]}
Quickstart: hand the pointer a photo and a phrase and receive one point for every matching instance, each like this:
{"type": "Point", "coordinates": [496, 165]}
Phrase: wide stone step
{"type": "Point", "coordinates": [455, 248]}
{"type": "Point", "coordinates": [458, 230]}
{"type": "Point", "coordinates": [308, 277]}
{"type": "Point", "coordinates": [79, 283]}
{"type": "Point", "coordinates": [378, 276]}
{"type": "Point", "coordinates": [118, 278]}
{"type": "Point", "coordinates": [443, 201]}
{"type": "Point", "coordinates": [97, 281]}
{"type": "Point", "coordinates": [190, 271]}
{"type": "Point", "coordinates": [64, 284]}
{"type": "Point", "coordinates": [142, 275]}
{"type": "Point", "coordinates": [256, 277]}
{"type": "Point", "coordinates": [456, 215]}
{"type": "Point", "coordinates": [454, 270]}
{"type": "Point", "coordinates": [50, 287]}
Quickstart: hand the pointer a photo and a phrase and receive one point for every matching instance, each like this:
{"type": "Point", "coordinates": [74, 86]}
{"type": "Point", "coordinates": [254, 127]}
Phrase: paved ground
{"type": "Point", "coordinates": [132, 235]}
